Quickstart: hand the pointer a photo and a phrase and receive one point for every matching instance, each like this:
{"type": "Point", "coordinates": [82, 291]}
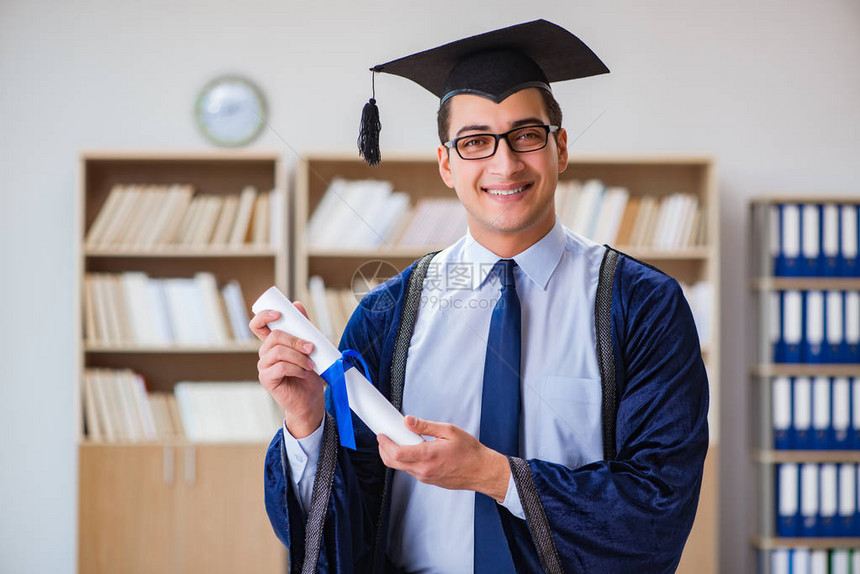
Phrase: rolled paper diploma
{"type": "Point", "coordinates": [364, 399]}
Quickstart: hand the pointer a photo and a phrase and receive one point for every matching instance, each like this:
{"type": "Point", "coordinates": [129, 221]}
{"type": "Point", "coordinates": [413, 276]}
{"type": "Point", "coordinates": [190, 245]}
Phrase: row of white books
{"type": "Point", "coordinates": [153, 217]}
{"type": "Point", "coordinates": [118, 408]}
{"type": "Point", "coordinates": [369, 213]}
{"type": "Point", "coordinates": [365, 214]}
{"type": "Point", "coordinates": [610, 215]}
{"type": "Point", "coordinates": [132, 308]}
{"type": "Point", "coordinates": [331, 308]}
{"type": "Point", "coordinates": [227, 411]}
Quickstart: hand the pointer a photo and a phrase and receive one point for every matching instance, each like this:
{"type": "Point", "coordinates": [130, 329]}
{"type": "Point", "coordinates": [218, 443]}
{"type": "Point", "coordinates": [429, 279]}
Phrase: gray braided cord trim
{"type": "Point", "coordinates": [535, 516]}
{"type": "Point", "coordinates": [398, 368]}
{"type": "Point", "coordinates": [605, 356]}
{"type": "Point", "coordinates": [321, 493]}
{"type": "Point", "coordinates": [407, 325]}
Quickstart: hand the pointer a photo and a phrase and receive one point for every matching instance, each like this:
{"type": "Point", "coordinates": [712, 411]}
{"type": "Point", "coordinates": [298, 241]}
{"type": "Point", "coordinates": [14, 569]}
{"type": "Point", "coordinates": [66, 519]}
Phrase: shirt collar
{"type": "Point", "coordinates": [538, 262]}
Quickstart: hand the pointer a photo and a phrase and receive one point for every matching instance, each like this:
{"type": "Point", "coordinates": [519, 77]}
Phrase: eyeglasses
{"type": "Point", "coordinates": [520, 140]}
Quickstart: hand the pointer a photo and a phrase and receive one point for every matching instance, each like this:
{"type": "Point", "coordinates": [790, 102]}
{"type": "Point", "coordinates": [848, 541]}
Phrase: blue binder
{"type": "Point", "coordinates": [849, 227]}
{"type": "Point", "coordinates": [782, 419]}
{"type": "Point", "coordinates": [831, 258]}
{"type": "Point", "coordinates": [834, 313]}
{"type": "Point", "coordinates": [810, 492]}
{"type": "Point", "coordinates": [828, 500]}
{"type": "Point", "coordinates": [810, 226]}
{"type": "Point", "coordinates": [787, 499]}
{"type": "Point", "coordinates": [846, 515]}
{"type": "Point", "coordinates": [788, 259]}
{"type": "Point", "coordinates": [822, 413]}
{"type": "Point", "coordinates": [841, 409]}
{"type": "Point", "coordinates": [792, 326]}
{"type": "Point", "coordinates": [812, 350]}
{"type": "Point", "coordinates": [851, 353]}
{"type": "Point", "coordinates": [776, 326]}
{"type": "Point", "coordinates": [802, 435]}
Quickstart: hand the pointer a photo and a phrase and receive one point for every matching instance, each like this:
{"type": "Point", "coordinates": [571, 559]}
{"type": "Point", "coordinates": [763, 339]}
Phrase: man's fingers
{"type": "Point", "coordinates": [259, 323]}
{"type": "Point", "coordinates": [298, 305]}
{"type": "Point", "coordinates": [429, 428]}
{"type": "Point", "coordinates": [276, 338]}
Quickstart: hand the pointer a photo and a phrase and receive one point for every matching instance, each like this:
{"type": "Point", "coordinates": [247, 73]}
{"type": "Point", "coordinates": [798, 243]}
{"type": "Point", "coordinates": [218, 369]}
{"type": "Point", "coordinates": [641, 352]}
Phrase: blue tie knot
{"type": "Point", "coordinates": [505, 270]}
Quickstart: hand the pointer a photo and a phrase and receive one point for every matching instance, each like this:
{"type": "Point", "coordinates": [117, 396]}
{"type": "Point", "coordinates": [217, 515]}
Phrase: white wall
{"type": "Point", "coordinates": [771, 88]}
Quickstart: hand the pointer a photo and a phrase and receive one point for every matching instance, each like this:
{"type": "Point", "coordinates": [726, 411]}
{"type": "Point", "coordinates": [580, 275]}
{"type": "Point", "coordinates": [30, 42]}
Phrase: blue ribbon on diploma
{"type": "Point", "coordinates": [334, 376]}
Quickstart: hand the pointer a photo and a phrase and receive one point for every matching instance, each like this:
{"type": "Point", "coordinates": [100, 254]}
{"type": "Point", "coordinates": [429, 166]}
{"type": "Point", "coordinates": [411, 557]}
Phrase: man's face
{"type": "Point", "coordinates": [485, 186]}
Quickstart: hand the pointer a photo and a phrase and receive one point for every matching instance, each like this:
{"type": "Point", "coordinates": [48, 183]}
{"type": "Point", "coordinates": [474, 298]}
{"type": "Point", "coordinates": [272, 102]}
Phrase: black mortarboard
{"type": "Point", "coordinates": [493, 65]}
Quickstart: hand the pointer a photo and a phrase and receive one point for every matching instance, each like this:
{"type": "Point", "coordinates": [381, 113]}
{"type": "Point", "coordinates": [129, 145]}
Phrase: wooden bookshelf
{"type": "Point", "coordinates": [656, 175]}
{"type": "Point", "coordinates": [175, 505]}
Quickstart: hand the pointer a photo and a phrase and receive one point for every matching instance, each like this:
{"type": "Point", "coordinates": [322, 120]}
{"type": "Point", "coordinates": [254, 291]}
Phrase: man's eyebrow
{"type": "Point", "coordinates": [485, 128]}
{"type": "Point", "coordinates": [472, 128]}
{"type": "Point", "coordinates": [528, 122]}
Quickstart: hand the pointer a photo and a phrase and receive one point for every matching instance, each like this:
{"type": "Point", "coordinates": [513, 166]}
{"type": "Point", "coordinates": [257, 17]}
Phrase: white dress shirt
{"type": "Point", "coordinates": [431, 528]}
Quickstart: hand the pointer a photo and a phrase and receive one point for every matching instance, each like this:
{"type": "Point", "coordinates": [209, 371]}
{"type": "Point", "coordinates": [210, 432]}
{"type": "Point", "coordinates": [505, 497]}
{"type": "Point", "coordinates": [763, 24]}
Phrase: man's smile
{"type": "Point", "coordinates": [507, 190]}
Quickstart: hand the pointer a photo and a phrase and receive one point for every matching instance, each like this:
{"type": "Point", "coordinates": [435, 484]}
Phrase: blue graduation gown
{"type": "Point", "coordinates": [632, 513]}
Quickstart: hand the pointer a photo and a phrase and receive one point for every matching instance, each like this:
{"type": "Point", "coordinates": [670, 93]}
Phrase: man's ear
{"type": "Point", "coordinates": [442, 154]}
{"type": "Point", "coordinates": [561, 140]}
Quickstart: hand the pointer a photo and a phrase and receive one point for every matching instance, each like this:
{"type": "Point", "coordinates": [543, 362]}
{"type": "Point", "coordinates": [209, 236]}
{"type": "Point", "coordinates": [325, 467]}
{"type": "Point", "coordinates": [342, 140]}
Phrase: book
{"type": "Point", "coordinates": [225, 222]}
{"type": "Point", "coordinates": [244, 212]}
{"type": "Point", "coordinates": [104, 217]}
{"type": "Point", "coordinates": [237, 312]}
{"type": "Point", "coordinates": [261, 220]}
{"type": "Point", "coordinates": [208, 295]}
{"type": "Point", "coordinates": [176, 213]}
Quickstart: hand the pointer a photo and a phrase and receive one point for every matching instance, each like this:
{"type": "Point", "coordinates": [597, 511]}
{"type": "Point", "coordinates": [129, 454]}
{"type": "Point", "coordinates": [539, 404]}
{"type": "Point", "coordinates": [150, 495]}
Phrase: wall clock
{"type": "Point", "coordinates": [230, 111]}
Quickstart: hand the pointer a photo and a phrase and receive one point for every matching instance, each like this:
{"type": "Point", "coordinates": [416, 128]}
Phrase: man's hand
{"type": "Point", "coordinates": [286, 371]}
{"type": "Point", "coordinates": [455, 460]}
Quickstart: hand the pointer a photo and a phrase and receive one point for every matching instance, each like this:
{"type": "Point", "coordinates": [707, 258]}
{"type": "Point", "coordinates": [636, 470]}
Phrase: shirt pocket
{"type": "Point", "coordinates": [570, 432]}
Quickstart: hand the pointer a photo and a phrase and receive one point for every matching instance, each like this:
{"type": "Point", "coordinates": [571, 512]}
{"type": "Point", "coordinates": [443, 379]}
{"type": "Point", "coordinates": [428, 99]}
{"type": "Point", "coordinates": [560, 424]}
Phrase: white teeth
{"type": "Point", "coordinates": [505, 191]}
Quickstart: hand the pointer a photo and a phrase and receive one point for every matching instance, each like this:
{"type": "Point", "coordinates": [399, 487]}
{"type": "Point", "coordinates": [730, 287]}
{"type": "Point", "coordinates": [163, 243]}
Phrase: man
{"type": "Point", "coordinates": [577, 368]}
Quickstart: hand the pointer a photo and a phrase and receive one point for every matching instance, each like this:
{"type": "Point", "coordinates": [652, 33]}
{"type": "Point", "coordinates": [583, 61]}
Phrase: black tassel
{"type": "Point", "coordinates": [368, 136]}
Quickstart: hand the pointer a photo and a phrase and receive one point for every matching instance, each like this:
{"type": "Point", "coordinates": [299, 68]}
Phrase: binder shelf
{"type": "Point", "coordinates": [806, 379]}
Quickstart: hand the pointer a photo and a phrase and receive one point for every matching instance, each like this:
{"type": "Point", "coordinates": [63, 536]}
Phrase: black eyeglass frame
{"type": "Point", "coordinates": [452, 144]}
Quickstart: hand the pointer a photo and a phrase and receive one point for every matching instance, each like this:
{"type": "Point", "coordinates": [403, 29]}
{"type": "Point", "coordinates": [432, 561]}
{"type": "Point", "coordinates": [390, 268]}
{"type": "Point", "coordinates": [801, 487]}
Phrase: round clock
{"type": "Point", "coordinates": [230, 111]}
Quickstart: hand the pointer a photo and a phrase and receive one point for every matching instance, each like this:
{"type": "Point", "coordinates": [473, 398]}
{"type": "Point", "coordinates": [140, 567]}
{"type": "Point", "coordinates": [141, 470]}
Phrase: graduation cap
{"type": "Point", "coordinates": [493, 65]}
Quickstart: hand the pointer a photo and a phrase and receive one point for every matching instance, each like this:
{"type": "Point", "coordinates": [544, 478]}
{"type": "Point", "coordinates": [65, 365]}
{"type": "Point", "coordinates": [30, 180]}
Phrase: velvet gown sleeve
{"type": "Point", "coordinates": [356, 491]}
{"type": "Point", "coordinates": [633, 513]}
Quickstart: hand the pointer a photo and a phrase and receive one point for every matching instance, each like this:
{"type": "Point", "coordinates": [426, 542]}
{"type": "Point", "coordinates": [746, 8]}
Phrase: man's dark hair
{"type": "Point", "coordinates": [443, 116]}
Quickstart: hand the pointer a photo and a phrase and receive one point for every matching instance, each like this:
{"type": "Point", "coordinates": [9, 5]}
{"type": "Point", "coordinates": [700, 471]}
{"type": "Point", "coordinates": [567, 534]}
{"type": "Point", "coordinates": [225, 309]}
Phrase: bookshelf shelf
{"type": "Point", "coordinates": [800, 456]}
{"type": "Point", "coordinates": [172, 443]}
{"type": "Point", "coordinates": [806, 370]}
{"type": "Point", "coordinates": [168, 485]}
{"type": "Point", "coordinates": [805, 283]}
{"type": "Point", "coordinates": [775, 542]}
{"type": "Point", "coordinates": [184, 253]}
{"type": "Point", "coordinates": [174, 349]}
{"type": "Point", "coordinates": [657, 176]}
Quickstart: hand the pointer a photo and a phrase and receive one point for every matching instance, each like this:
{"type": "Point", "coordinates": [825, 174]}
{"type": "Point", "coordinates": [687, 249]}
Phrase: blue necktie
{"type": "Point", "coordinates": [500, 416]}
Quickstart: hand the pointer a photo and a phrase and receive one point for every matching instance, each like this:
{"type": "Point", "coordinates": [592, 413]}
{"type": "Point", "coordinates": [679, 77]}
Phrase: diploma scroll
{"type": "Point", "coordinates": [364, 400]}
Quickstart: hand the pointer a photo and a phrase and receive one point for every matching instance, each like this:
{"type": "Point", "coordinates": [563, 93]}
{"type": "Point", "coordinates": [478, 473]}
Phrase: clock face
{"type": "Point", "coordinates": [230, 111]}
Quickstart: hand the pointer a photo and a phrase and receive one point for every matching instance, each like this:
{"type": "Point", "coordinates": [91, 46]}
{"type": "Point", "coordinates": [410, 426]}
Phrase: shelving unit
{"type": "Point", "coordinates": [175, 506]}
{"type": "Point", "coordinates": [763, 454]}
{"type": "Point", "coordinates": [642, 175]}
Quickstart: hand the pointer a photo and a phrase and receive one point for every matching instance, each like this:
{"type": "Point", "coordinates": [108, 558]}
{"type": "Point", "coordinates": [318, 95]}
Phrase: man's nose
{"type": "Point", "coordinates": [505, 161]}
